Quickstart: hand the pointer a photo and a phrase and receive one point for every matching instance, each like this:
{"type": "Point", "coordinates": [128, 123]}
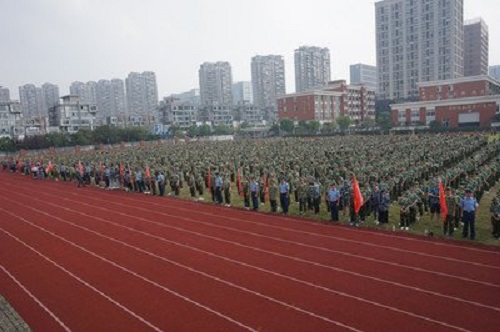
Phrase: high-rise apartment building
{"type": "Point", "coordinates": [50, 96]}
{"type": "Point", "coordinates": [216, 83]}
{"type": "Point", "coordinates": [4, 95]}
{"type": "Point", "coordinates": [86, 91]}
{"type": "Point", "coordinates": [417, 41]}
{"type": "Point", "coordinates": [476, 47]}
{"type": "Point", "coordinates": [142, 94]}
{"type": "Point", "coordinates": [268, 80]}
{"type": "Point", "coordinates": [312, 68]}
{"type": "Point", "coordinates": [242, 93]}
{"type": "Point", "coordinates": [364, 75]}
{"type": "Point", "coordinates": [494, 72]}
{"type": "Point", "coordinates": [31, 101]}
{"type": "Point", "coordinates": [36, 101]}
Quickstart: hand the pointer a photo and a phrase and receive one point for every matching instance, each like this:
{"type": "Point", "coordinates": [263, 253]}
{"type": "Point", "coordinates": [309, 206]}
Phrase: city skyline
{"type": "Point", "coordinates": [112, 46]}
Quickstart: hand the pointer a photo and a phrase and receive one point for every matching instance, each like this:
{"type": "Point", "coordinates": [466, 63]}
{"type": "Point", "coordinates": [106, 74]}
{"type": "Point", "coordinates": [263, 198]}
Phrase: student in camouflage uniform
{"type": "Point", "coordinates": [404, 213]}
{"type": "Point", "coordinates": [273, 195]}
{"type": "Point", "coordinates": [451, 205]}
{"type": "Point", "coordinates": [383, 208]}
{"type": "Point", "coordinates": [226, 186]}
{"type": "Point", "coordinates": [246, 193]}
{"type": "Point", "coordinates": [192, 185]}
{"type": "Point", "coordinates": [302, 192]}
{"type": "Point", "coordinates": [495, 217]}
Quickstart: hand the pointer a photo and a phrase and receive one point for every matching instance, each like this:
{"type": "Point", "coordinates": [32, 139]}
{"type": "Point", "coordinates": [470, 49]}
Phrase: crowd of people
{"type": "Point", "coordinates": [311, 173]}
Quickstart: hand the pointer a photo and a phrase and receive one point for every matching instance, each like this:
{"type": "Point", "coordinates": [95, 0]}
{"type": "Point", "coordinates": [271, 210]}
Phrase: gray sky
{"type": "Point", "coordinates": [61, 41]}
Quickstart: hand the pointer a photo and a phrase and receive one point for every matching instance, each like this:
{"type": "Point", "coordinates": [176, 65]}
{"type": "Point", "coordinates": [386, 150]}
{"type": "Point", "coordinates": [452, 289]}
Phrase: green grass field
{"type": "Point", "coordinates": [483, 225]}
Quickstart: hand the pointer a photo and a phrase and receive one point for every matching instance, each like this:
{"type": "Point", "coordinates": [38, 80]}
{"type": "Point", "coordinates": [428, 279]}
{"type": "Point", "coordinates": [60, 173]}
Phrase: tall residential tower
{"type": "Point", "coordinates": [417, 41]}
{"type": "Point", "coordinates": [312, 68]}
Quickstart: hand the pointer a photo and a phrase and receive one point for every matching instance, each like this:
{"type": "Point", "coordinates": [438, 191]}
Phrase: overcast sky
{"type": "Point", "coordinates": [61, 41]}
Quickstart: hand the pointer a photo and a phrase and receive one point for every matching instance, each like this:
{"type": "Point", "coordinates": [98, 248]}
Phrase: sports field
{"type": "Point", "coordinates": [93, 260]}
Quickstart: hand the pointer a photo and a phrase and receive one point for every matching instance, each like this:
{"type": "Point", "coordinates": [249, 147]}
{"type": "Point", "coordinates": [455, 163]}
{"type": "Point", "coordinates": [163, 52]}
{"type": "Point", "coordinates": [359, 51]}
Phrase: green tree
{"type": "Point", "coordinates": [7, 144]}
{"type": "Point", "coordinates": [222, 130]}
{"type": "Point", "coordinates": [82, 137]}
{"type": "Point", "coordinates": [58, 139]}
{"type": "Point", "coordinates": [344, 122]}
{"type": "Point", "coordinates": [192, 131]}
{"type": "Point", "coordinates": [313, 126]}
{"type": "Point", "coordinates": [384, 121]}
{"type": "Point", "coordinates": [275, 129]}
{"type": "Point", "coordinates": [287, 125]}
{"type": "Point", "coordinates": [435, 125]}
{"type": "Point", "coordinates": [329, 127]}
{"type": "Point", "coordinates": [244, 125]}
{"type": "Point", "coordinates": [204, 130]}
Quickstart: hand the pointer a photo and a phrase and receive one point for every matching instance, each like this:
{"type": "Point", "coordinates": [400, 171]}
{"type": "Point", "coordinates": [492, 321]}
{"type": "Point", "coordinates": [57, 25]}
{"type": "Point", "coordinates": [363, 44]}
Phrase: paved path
{"type": "Point", "coordinates": [9, 319]}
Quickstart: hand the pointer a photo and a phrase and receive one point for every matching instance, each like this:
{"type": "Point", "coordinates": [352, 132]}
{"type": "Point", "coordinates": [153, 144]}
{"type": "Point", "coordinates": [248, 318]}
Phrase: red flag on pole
{"type": "Point", "coordinates": [80, 167]}
{"type": "Point", "coordinates": [131, 177]}
{"type": "Point", "coordinates": [122, 172]}
{"type": "Point", "coordinates": [101, 171]}
{"type": "Point", "coordinates": [238, 183]}
{"type": "Point", "coordinates": [266, 189]}
{"type": "Point", "coordinates": [49, 168]}
{"type": "Point", "coordinates": [358, 197]}
{"type": "Point", "coordinates": [442, 201]}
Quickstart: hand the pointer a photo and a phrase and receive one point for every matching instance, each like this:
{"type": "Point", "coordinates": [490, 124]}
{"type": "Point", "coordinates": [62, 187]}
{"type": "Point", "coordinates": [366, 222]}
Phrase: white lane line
{"type": "Point", "coordinates": [34, 298]}
{"type": "Point", "coordinates": [413, 315]}
{"type": "Point", "coordinates": [164, 259]}
{"type": "Point", "coordinates": [118, 304]}
{"type": "Point", "coordinates": [263, 215]}
{"type": "Point", "coordinates": [362, 243]}
{"type": "Point", "coordinates": [442, 274]}
{"type": "Point", "coordinates": [192, 270]}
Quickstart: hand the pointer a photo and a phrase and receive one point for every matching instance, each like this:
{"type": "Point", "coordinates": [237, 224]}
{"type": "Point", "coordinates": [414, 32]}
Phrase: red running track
{"type": "Point", "coordinates": [85, 259]}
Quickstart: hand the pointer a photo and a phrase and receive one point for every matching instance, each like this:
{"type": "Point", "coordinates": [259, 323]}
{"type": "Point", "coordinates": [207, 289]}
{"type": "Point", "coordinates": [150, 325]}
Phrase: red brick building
{"type": "Point", "coordinates": [328, 104]}
{"type": "Point", "coordinates": [462, 102]}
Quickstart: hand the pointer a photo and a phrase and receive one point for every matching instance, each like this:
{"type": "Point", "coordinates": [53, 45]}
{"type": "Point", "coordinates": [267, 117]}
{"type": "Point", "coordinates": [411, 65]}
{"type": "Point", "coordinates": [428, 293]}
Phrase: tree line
{"type": "Point", "coordinates": [100, 135]}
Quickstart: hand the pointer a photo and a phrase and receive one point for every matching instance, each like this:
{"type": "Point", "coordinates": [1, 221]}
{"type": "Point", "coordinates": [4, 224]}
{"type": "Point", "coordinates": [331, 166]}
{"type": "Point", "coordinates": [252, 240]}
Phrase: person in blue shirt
{"type": "Point", "coordinates": [333, 200]}
{"type": "Point", "coordinates": [218, 188]}
{"type": "Point", "coordinates": [469, 205]}
{"type": "Point", "coordinates": [254, 193]}
{"type": "Point", "coordinates": [160, 178]}
{"type": "Point", "coordinates": [284, 188]}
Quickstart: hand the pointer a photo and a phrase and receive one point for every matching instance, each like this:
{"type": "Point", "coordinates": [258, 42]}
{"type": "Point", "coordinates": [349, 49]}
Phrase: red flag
{"type": "Point", "coordinates": [49, 168]}
{"type": "Point", "coordinates": [130, 172]}
{"type": "Point", "coordinates": [209, 179]}
{"type": "Point", "coordinates": [266, 190]}
{"type": "Point", "coordinates": [358, 197]}
{"type": "Point", "coordinates": [101, 170]}
{"type": "Point", "coordinates": [122, 172]}
{"type": "Point", "coordinates": [80, 168]}
{"type": "Point", "coordinates": [442, 201]}
{"type": "Point", "coordinates": [238, 183]}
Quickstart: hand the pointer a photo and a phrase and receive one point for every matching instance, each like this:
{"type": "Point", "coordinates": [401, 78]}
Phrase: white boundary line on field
{"type": "Point", "coordinates": [118, 304]}
{"type": "Point", "coordinates": [430, 320]}
{"type": "Point", "coordinates": [254, 249]}
{"type": "Point", "coordinates": [266, 237]}
{"type": "Point", "coordinates": [34, 298]}
{"type": "Point", "coordinates": [145, 279]}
